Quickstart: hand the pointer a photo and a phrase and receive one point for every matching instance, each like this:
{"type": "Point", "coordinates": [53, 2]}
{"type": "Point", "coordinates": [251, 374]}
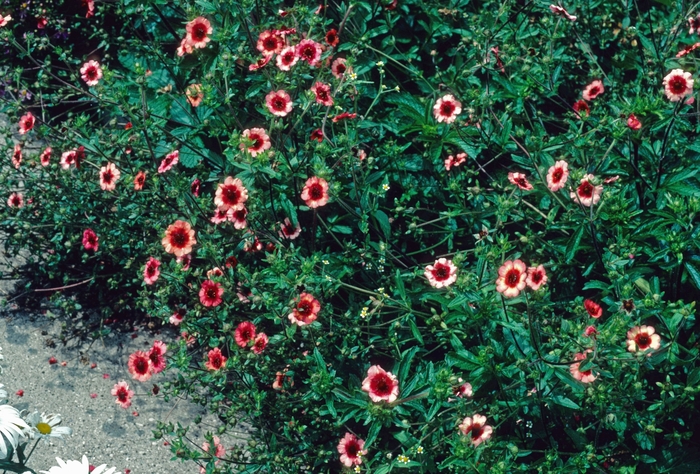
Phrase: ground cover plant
{"type": "Point", "coordinates": [394, 235]}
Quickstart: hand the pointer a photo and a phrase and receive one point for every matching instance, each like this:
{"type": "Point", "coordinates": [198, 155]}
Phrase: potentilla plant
{"type": "Point", "coordinates": [391, 235]}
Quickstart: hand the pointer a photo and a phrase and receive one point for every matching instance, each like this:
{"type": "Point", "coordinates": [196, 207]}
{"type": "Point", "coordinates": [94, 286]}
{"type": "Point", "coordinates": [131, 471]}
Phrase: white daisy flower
{"type": "Point", "coordinates": [12, 430]}
{"type": "Point", "coordinates": [75, 467]}
{"type": "Point", "coordinates": [46, 426]}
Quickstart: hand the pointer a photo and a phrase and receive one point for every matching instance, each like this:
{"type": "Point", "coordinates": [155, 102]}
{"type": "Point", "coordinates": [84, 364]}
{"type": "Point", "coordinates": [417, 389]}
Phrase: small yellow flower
{"type": "Point", "coordinates": [419, 449]}
{"type": "Point", "coordinates": [357, 469]}
{"type": "Point", "coordinates": [385, 186]}
{"type": "Point", "coordinates": [403, 459]}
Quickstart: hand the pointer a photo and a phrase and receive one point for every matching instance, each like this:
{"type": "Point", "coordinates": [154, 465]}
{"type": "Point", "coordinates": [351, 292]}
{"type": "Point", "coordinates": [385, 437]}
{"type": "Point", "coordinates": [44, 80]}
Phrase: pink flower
{"type": "Point", "coordinates": [219, 451]}
{"type": "Point", "coordinates": [90, 5]}
{"type": "Point", "coordinates": [260, 343]}
{"type": "Point", "coordinates": [678, 84]}
{"type": "Point", "coordinates": [381, 385]}
{"type": "Point", "coordinates": [4, 20]}
{"type": "Point", "coordinates": [633, 122]}
{"type": "Point", "coordinates": [139, 180]}
{"type": "Point", "coordinates": [587, 375]}
{"type": "Point", "coordinates": [693, 24]}
{"type": "Point", "coordinates": [194, 94]}
{"type": "Point", "coordinates": [317, 135]}
{"type": "Point", "coordinates": [270, 42]}
{"type": "Point", "coordinates": [343, 116]}
{"type": "Point", "coordinates": [580, 108]}
{"type": "Point", "coordinates": [177, 317]}
{"type": "Point", "coordinates": [220, 215]}
{"type": "Point", "coordinates": [257, 139]}
{"type": "Point", "coordinates": [441, 274]}
{"type": "Point", "coordinates": [46, 156]}
{"type": "Point", "coordinates": [15, 200]}
{"type": "Point", "coordinates": [309, 51]}
{"type": "Point", "coordinates": [287, 58]}
{"type": "Point", "coordinates": [587, 194]}
{"type": "Point", "coordinates": [210, 293]}
{"type": "Point", "coordinates": [323, 94]}
{"type": "Point", "coordinates": [215, 272]}
{"type": "Point", "coordinates": [289, 231]}
{"type": "Point", "coordinates": [279, 103]}
{"type": "Point", "coordinates": [90, 240]}
{"type": "Point", "coordinates": [68, 158]}
{"type": "Point", "coordinates": [593, 90]}
{"type": "Point", "coordinates": [452, 161]}
{"type": "Point", "coordinates": [590, 331]}
{"type": "Point", "coordinates": [170, 160]}
{"type": "Point", "coordinates": [151, 272]}
{"type": "Point", "coordinates": [511, 278]}
{"type": "Point", "coordinates": [123, 394]}
{"type": "Point", "coordinates": [26, 123]}
{"type": "Point", "coordinates": [245, 332]}
{"type": "Point", "coordinates": [557, 175]}
{"type": "Point", "coordinates": [339, 67]}
{"type": "Point", "coordinates": [237, 215]}
{"type": "Point", "coordinates": [215, 360]}
{"type": "Point", "coordinates": [332, 38]}
{"type": "Point", "coordinates": [447, 108]}
{"type": "Point", "coordinates": [642, 338]}
{"type": "Point", "coordinates": [476, 429]}
{"type": "Point", "coordinates": [687, 50]}
{"type": "Point", "coordinates": [230, 194]}
{"type": "Point", "coordinates": [536, 277]}
{"type": "Point", "coordinates": [593, 309]}
{"type": "Point", "coordinates": [260, 63]}
{"type": "Point", "coordinates": [184, 48]}
{"type": "Point", "coordinates": [315, 192]}
{"type": "Point", "coordinates": [140, 366]}
{"type": "Point", "coordinates": [306, 310]}
{"type": "Point", "coordinates": [198, 31]}
{"type": "Point", "coordinates": [179, 238]}
{"type": "Point", "coordinates": [17, 156]}
{"type": "Point", "coordinates": [195, 187]}
{"type": "Point", "coordinates": [91, 72]}
{"type": "Point", "coordinates": [520, 181]}
{"type": "Point", "coordinates": [157, 356]}
{"type": "Point", "coordinates": [464, 390]}
{"type": "Point", "coordinates": [350, 450]}
{"type": "Point", "coordinates": [41, 23]}
{"type": "Point", "coordinates": [108, 177]}
{"type": "Point", "coordinates": [560, 11]}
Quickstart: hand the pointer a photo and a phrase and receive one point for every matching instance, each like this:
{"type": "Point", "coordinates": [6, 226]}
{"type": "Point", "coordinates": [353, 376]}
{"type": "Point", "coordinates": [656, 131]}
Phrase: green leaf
{"type": "Point", "coordinates": [693, 273]}
{"type": "Point", "coordinates": [383, 221]}
{"type": "Point", "coordinates": [574, 243]}
{"type": "Point", "coordinates": [565, 402]}
{"type": "Point", "coordinates": [415, 331]}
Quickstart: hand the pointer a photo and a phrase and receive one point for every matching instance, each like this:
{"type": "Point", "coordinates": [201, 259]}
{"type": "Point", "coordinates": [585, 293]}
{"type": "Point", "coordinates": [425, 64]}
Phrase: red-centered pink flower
{"type": "Point", "coordinates": [108, 177]}
{"type": "Point", "coordinates": [26, 123]}
{"type": "Point", "coordinates": [587, 194]}
{"type": "Point", "coordinates": [287, 58]}
{"type": "Point", "coordinates": [231, 262]}
{"type": "Point", "coordinates": [350, 450]}
{"type": "Point", "coordinates": [68, 158]}
{"type": "Point", "coordinates": [184, 261]}
{"type": "Point", "coordinates": [693, 25]}
{"type": "Point", "coordinates": [210, 293]}
{"type": "Point", "coordinates": [585, 376]}
{"type": "Point", "coordinates": [343, 116]}
{"type": "Point", "coordinates": [4, 20]}
{"type": "Point", "coordinates": [90, 240]}
{"type": "Point", "coordinates": [260, 63]}
{"type": "Point", "coordinates": [220, 215]}
{"type": "Point", "coordinates": [317, 135]}
{"type": "Point", "coordinates": [476, 429]}
{"type": "Point", "coordinates": [15, 200]}
{"type": "Point", "coordinates": [195, 187]}
{"type": "Point", "coordinates": [279, 103]}
{"type": "Point", "coordinates": [91, 72]}
{"type": "Point", "coordinates": [557, 175]}
{"type": "Point", "coordinates": [17, 156]}
{"type": "Point", "coordinates": [184, 48]}
{"type": "Point", "coordinates": [511, 278]}
{"type": "Point", "coordinates": [581, 108]}
{"type": "Point", "coordinates": [237, 216]}
{"type": "Point", "coordinates": [140, 366]}
{"type": "Point", "coordinates": [270, 42]}
{"type": "Point", "coordinates": [687, 50]}
{"type": "Point", "coordinates": [157, 356]}
{"type": "Point", "coordinates": [243, 293]}
{"type": "Point", "coordinates": [447, 108]}
{"type": "Point", "coordinates": [260, 343]}
{"type": "Point", "coordinates": [194, 94]}
{"type": "Point", "coordinates": [177, 317]}
{"type": "Point", "coordinates": [45, 157]}
{"type": "Point", "coordinates": [255, 140]}
{"type": "Point", "coordinates": [152, 271]}
{"type": "Point", "coordinates": [642, 338]}
{"type": "Point", "coordinates": [463, 391]}
{"type": "Point", "coordinates": [452, 161]}
{"type": "Point", "coordinates": [309, 51]}
{"type": "Point", "coordinates": [217, 451]}
{"type": "Point", "coordinates": [41, 23]}
{"type": "Point", "coordinates": [123, 394]}
{"type": "Point", "coordinates": [306, 310]}
{"type": "Point", "coordinates": [170, 160]}
{"type": "Point", "coordinates": [536, 277]}
{"type": "Point", "coordinates": [593, 309]}
{"type": "Point", "coordinates": [245, 332]}
{"type": "Point", "coordinates": [323, 94]}
{"type": "Point", "coordinates": [678, 84]}
{"type": "Point", "coordinates": [215, 272]}
{"type": "Point", "coordinates": [339, 67]}
{"type": "Point", "coordinates": [560, 11]}
{"type": "Point", "coordinates": [198, 31]}
{"type": "Point", "coordinates": [179, 238]}
{"type": "Point", "coordinates": [288, 230]}
{"type": "Point", "coordinates": [590, 331]}
{"type": "Point", "coordinates": [593, 90]}
{"type": "Point", "coordinates": [520, 180]}
{"type": "Point", "coordinates": [215, 360]}
{"type": "Point", "coordinates": [633, 122]}
{"type": "Point", "coordinates": [442, 273]}
{"type": "Point", "coordinates": [139, 180]}
{"type": "Point", "coordinates": [315, 192]}
{"type": "Point", "coordinates": [381, 385]}
{"type": "Point", "coordinates": [230, 194]}
{"type": "Point", "coordinates": [332, 38]}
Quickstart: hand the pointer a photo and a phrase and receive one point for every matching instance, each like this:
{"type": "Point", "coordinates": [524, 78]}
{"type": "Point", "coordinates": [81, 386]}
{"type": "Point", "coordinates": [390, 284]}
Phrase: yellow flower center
{"type": "Point", "coordinates": [44, 428]}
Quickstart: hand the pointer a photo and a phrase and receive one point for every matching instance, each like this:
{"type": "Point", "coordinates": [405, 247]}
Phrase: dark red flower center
{"type": "Point", "coordinates": [585, 190]}
{"type": "Point", "coordinates": [211, 292]}
{"type": "Point", "coordinates": [179, 238]}
{"type": "Point", "coordinates": [677, 84]}
{"type": "Point", "coordinates": [512, 277]}
{"type": "Point", "coordinates": [594, 91]}
{"type": "Point", "coordinates": [381, 384]}
{"type": "Point", "coordinates": [279, 103]}
{"type": "Point", "coordinates": [557, 175]}
{"type": "Point", "coordinates": [16, 201]}
{"type": "Point", "coordinates": [270, 43]}
{"type": "Point", "coordinates": [322, 94]}
{"type": "Point", "coordinates": [257, 141]}
{"type": "Point", "coordinates": [150, 270]}
{"type": "Point", "coordinates": [521, 182]}
{"type": "Point", "coordinates": [215, 361]}
{"type": "Point", "coordinates": [340, 69]}
{"type": "Point", "coordinates": [91, 73]}
{"type": "Point", "coordinates": [643, 340]}
{"type": "Point", "coordinates": [316, 191]}
{"type": "Point", "coordinates": [308, 53]}
{"type": "Point", "coordinates": [107, 176]}
{"type": "Point", "coordinates": [477, 431]}
{"type": "Point", "coordinates": [231, 195]}
{"type": "Point", "coordinates": [447, 108]}
{"type": "Point", "coordinates": [140, 180]}
{"type": "Point", "coordinates": [441, 272]}
{"type": "Point", "coordinates": [199, 31]}
{"type": "Point", "coordinates": [122, 394]}
{"type": "Point", "coordinates": [304, 308]}
{"type": "Point", "coordinates": [240, 214]}
{"type": "Point", "coordinates": [536, 277]}
{"type": "Point", "coordinates": [288, 58]}
{"type": "Point", "coordinates": [352, 448]}
{"type": "Point", "coordinates": [141, 365]}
